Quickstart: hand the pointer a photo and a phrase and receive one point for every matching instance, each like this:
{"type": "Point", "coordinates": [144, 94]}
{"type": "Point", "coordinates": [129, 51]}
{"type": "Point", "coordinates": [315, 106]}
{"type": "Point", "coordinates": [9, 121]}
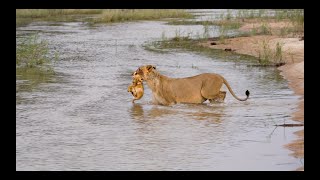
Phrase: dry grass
{"type": "Point", "coordinates": [43, 13]}
{"type": "Point", "coordinates": [25, 16]}
{"type": "Point", "coordinates": [121, 15]}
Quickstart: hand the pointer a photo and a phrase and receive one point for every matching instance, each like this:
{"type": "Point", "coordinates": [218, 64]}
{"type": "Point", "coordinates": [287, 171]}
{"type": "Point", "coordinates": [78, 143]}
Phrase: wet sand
{"type": "Point", "coordinates": [293, 70]}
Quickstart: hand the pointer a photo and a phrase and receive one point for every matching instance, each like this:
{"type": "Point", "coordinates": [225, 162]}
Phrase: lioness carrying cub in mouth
{"type": "Point", "coordinates": [195, 89]}
{"type": "Point", "coordinates": [136, 88]}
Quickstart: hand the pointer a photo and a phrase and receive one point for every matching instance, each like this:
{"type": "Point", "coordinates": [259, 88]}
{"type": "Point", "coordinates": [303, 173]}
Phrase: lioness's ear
{"type": "Point", "coordinates": [150, 67]}
{"type": "Point", "coordinates": [138, 71]}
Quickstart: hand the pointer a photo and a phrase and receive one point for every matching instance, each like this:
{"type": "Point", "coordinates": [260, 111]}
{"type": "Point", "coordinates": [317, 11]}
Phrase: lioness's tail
{"type": "Point", "coordinates": [228, 86]}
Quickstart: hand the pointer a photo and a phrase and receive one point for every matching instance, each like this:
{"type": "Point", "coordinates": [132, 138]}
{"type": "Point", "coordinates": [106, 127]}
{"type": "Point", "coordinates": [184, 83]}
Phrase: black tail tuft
{"type": "Point", "coordinates": [247, 93]}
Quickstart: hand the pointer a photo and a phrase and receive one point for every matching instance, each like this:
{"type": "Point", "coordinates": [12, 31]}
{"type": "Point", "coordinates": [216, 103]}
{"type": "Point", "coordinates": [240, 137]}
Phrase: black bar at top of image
{"type": "Point", "coordinates": [194, 4]}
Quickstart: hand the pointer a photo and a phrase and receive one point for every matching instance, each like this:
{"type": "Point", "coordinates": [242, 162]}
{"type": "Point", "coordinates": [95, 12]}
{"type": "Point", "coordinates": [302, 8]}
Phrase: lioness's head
{"type": "Point", "coordinates": [146, 71]}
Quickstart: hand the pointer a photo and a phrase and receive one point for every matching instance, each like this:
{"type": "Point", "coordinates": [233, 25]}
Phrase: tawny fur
{"type": "Point", "coordinates": [195, 89]}
{"type": "Point", "coordinates": [136, 88]}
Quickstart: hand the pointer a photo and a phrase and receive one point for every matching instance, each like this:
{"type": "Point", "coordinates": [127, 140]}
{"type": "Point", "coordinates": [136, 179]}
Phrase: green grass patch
{"type": "Point", "coordinates": [33, 63]}
{"type": "Point", "coordinates": [227, 24]}
{"type": "Point", "coordinates": [269, 56]}
{"type": "Point", "coordinates": [122, 15]}
{"type": "Point", "coordinates": [187, 44]}
{"type": "Point", "coordinates": [25, 16]}
{"type": "Point", "coordinates": [31, 52]}
{"type": "Point", "coordinates": [251, 14]}
{"type": "Point", "coordinates": [44, 13]}
{"type": "Point", "coordinates": [293, 16]}
{"type": "Point", "coordinates": [265, 29]}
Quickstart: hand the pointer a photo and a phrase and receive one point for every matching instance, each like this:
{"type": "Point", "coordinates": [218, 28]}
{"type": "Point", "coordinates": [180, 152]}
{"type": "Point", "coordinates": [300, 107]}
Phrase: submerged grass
{"type": "Point", "coordinates": [33, 53]}
{"type": "Point", "coordinates": [230, 24]}
{"type": "Point", "coordinates": [33, 64]}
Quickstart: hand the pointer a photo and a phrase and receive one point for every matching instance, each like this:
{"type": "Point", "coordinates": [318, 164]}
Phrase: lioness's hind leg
{"type": "Point", "coordinates": [219, 98]}
{"type": "Point", "coordinates": [211, 88]}
{"type": "Point", "coordinates": [222, 96]}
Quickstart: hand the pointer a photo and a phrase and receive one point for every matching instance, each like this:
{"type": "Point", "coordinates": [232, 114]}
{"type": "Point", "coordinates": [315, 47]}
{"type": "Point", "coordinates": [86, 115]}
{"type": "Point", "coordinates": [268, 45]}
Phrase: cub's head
{"type": "Point", "coordinates": [136, 77]}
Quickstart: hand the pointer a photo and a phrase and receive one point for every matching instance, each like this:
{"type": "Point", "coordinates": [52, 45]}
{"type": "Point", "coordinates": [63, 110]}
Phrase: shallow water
{"type": "Point", "coordinates": [82, 118]}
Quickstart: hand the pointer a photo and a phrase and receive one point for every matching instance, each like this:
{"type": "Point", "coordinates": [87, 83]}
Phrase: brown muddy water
{"type": "Point", "coordinates": [82, 118]}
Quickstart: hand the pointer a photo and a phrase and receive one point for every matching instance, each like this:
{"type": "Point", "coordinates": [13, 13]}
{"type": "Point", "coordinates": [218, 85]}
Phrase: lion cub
{"type": "Point", "coordinates": [136, 88]}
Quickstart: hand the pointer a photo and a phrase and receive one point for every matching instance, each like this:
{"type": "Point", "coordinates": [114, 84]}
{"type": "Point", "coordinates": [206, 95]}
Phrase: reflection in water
{"type": "Point", "coordinates": [156, 111]}
{"type": "Point", "coordinates": [137, 111]}
{"type": "Point", "coordinates": [29, 78]}
{"type": "Point", "coordinates": [208, 116]}
{"type": "Point", "coordinates": [203, 112]}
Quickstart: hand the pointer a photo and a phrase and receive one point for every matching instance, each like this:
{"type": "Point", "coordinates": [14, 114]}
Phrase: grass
{"type": "Point", "coordinates": [232, 24]}
{"type": "Point", "coordinates": [31, 52]}
{"type": "Point", "coordinates": [222, 34]}
{"type": "Point", "coordinates": [26, 16]}
{"type": "Point", "coordinates": [265, 29]}
{"type": "Point", "coordinates": [294, 17]}
{"type": "Point", "coordinates": [269, 56]}
{"type": "Point", "coordinates": [278, 53]}
{"type": "Point", "coordinates": [224, 26]}
{"type": "Point", "coordinates": [206, 34]}
{"type": "Point", "coordinates": [251, 14]}
{"type": "Point", "coordinates": [227, 24]}
{"type": "Point", "coordinates": [120, 15]}
{"type": "Point", "coordinates": [297, 19]}
{"type": "Point", "coordinates": [44, 13]}
{"type": "Point", "coordinates": [188, 44]}
{"type": "Point", "coordinates": [265, 53]}
{"type": "Point", "coordinates": [33, 65]}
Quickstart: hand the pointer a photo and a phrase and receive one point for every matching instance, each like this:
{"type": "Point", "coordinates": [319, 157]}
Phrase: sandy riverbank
{"type": "Point", "coordinates": [293, 70]}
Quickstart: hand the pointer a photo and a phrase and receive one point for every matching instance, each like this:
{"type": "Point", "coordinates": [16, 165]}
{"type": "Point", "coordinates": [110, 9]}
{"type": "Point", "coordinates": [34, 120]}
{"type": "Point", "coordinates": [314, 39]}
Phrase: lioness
{"type": "Point", "coordinates": [136, 88]}
{"type": "Point", "coordinates": [195, 89]}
